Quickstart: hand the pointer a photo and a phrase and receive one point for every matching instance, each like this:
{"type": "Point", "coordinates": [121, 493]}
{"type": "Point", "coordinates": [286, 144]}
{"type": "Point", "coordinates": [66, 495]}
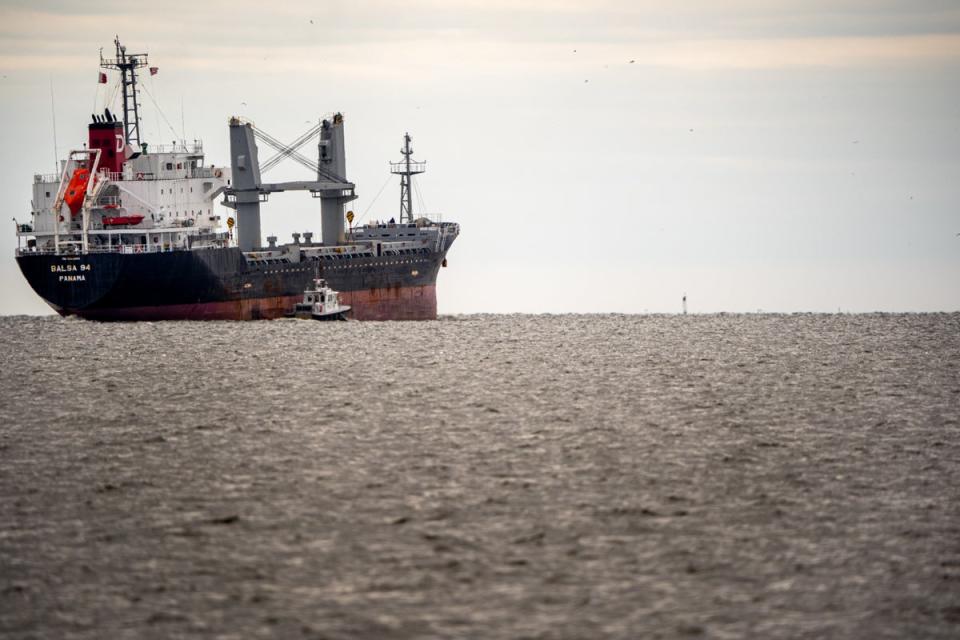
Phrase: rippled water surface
{"type": "Point", "coordinates": [483, 476]}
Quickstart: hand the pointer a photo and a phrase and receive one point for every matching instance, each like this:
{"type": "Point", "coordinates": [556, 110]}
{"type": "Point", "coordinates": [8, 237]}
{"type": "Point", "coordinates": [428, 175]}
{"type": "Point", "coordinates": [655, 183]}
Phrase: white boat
{"type": "Point", "coordinates": [320, 303]}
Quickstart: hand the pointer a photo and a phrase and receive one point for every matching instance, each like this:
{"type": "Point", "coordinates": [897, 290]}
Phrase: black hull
{"type": "Point", "coordinates": [220, 283]}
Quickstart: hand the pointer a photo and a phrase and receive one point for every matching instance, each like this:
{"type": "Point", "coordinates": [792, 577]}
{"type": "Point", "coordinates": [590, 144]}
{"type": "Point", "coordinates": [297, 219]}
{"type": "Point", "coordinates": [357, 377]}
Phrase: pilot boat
{"type": "Point", "coordinates": [320, 303]}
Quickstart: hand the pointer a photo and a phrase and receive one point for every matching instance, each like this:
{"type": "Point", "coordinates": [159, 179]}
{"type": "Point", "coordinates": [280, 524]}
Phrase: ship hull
{"type": "Point", "coordinates": [221, 284]}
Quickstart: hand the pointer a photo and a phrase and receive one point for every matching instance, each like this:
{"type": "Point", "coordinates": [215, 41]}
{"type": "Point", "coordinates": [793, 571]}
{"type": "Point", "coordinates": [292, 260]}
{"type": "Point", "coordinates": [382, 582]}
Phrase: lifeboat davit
{"type": "Point", "coordinates": [77, 189]}
{"type": "Point", "coordinates": [119, 220]}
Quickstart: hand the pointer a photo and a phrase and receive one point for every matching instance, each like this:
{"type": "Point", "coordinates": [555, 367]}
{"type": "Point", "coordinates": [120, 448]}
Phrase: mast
{"type": "Point", "coordinates": [127, 64]}
{"type": "Point", "coordinates": [406, 169]}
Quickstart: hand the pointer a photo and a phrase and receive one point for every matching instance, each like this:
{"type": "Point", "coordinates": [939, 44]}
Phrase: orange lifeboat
{"type": "Point", "coordinates": [118, 220]}
{"type": "Point", "coordinates": [77, 189]}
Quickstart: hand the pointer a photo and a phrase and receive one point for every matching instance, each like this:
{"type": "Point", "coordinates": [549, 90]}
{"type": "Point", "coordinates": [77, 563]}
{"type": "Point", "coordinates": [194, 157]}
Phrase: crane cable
{"type": "Point", "coordinates": [159, 110]}
{"type": "Point", "coordinates": [372, 202]}
{"type": "Point", "coordinates": [263, 136]}
{"type": "Point", "coordinates": [299, 157]}
{"type": "Point", "coordinates": [423, 205]}
{"type": "Point", "coordinates": [289, 149]}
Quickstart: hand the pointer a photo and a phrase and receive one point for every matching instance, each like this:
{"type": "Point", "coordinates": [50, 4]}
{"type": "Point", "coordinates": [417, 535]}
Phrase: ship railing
{"type": "Point", "coordinates": [401, 167]}
{"type": "Point", "coordinates": [112, 175]}
{"type": "Point", "coordinates": [176, 147]}
{"type": "Point", "coordinates": [434, 218]}
{"type": "Point", "coordinates": [117, 248]}
{"type": "Point", "coordinates": [46, 177]}
{"type": "Point", "coordinates": [196, 172]}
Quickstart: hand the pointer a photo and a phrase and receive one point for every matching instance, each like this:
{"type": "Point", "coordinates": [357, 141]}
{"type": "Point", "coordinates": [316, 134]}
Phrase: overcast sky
{"type": "Point", "coordinates": [600, 156]}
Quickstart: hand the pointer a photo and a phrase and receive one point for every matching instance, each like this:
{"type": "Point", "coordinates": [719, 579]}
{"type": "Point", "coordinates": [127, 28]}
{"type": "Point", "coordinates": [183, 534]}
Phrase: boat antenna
{"type": "Point", "coordinates": [406, 169]}
{"type": "Point", "coordinates": [127, 64]}
{"type": "Point", "coordinates": [53, 116]}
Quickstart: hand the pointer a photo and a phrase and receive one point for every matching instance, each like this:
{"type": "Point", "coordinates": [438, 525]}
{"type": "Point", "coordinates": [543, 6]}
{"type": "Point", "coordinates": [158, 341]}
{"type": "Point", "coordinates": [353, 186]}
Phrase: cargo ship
{"type": "Point", "coordinates": [127, 230]}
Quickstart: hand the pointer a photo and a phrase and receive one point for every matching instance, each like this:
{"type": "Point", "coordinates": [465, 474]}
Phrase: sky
{"type": "Point", "coordinates": [604, 156]}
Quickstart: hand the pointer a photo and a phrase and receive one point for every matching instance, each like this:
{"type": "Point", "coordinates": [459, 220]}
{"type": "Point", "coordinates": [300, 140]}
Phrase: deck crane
{"type": "Point", "coordinates": [248, 190]}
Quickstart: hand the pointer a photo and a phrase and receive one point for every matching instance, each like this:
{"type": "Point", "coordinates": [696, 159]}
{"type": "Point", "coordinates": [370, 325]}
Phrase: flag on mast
{"type": "Point", "coordinates": [153, 70]}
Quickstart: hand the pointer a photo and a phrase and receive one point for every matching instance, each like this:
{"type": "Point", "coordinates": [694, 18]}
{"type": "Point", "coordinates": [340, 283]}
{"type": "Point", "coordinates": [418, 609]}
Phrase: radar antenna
{"type": "Point", "coordinates": [127, 64]}
{"type": "Point", "coordinates": [406, 169]}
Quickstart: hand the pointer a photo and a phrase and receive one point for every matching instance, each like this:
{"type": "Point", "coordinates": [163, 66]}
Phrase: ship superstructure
{"type": "Point", "coordinates": [128, 230]}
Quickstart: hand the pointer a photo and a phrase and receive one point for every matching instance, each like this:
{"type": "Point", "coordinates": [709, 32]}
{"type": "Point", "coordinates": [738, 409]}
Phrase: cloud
{"type": "Point", "coordinates": [761, 53]}
{"type": "Point", "coordinates": [371, 37]}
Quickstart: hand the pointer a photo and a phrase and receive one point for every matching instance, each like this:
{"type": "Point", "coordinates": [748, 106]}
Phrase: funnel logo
{"type": "Point", "coordinates": [119, 143]}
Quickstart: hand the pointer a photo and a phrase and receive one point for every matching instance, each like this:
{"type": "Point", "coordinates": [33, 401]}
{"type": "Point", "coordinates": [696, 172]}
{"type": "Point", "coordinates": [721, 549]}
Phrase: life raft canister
{"type": "Point", "coordinates": [77, 189]}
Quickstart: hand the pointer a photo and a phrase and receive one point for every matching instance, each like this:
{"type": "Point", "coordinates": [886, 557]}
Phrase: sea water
{"type": "Point", "coordinates": [515, 476]}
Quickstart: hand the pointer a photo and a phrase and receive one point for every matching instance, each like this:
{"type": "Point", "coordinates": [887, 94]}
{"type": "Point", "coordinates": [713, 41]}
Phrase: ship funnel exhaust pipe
{"type": "Point", "coordinates": [106, 134]}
